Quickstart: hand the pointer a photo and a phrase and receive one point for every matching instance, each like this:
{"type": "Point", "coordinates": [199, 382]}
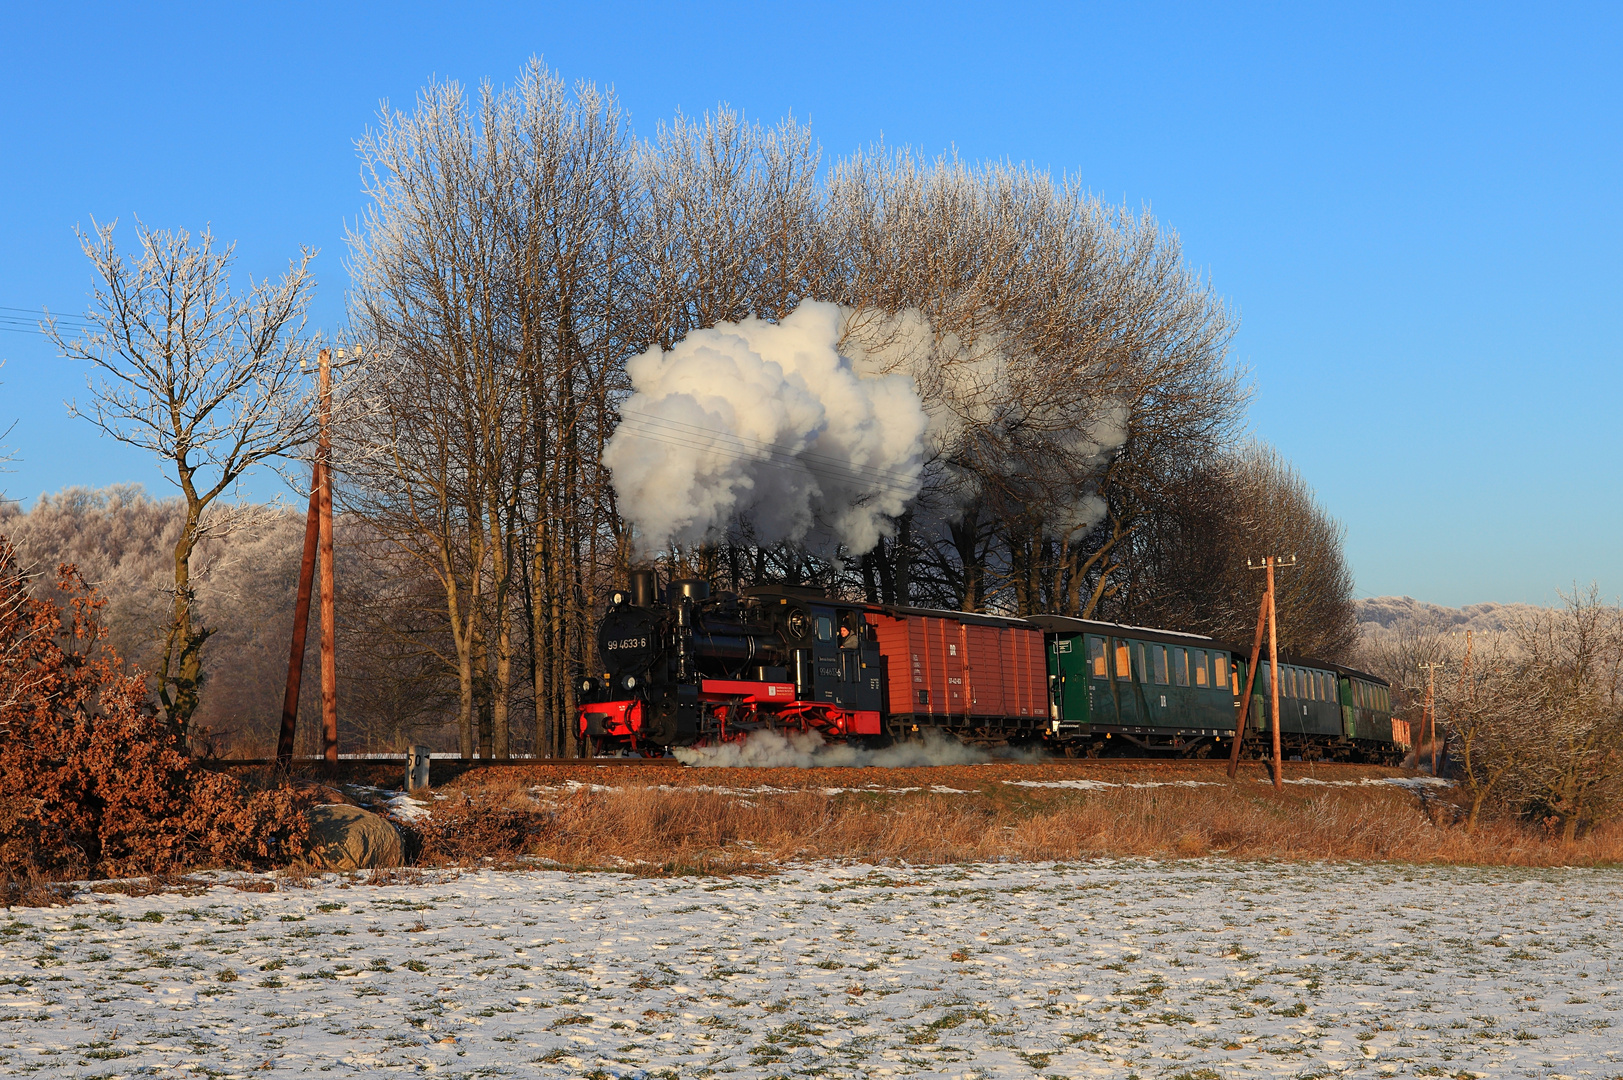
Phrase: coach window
{"type": "Point", "coordinates": [1160, 653]}
{"type": "Point", "coordinates": [1180, 666]}
{"type": "Point", "coordinates": [1124, 661]}
{"type": "Point", "coordinates": [1197, 658]}
{"type": "Point", "coordinates": [1096, 657]}
{"type": "Point", "coordinates": [1220, 670]}
{"type": "Point", "coordinates": [1143, 662]}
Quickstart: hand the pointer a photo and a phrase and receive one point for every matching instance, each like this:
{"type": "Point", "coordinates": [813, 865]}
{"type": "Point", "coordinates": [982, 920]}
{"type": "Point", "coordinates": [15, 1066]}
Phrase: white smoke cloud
{"type": "Point", "coordinates": [989, 403]}
{"type": "Point", "coordinates": [807, 750]}
{"type": "Point", "coordinates": [771, 422]}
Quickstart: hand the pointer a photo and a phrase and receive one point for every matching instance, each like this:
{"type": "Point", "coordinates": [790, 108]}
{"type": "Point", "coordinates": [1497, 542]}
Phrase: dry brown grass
{"type": "Point", "coordinates": [494, 815]}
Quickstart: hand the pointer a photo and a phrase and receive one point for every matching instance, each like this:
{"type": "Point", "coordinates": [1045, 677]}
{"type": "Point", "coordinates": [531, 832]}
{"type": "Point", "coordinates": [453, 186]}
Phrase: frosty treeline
{"type": "Point", "coordinates": [1529, 712]}
{"type": "Point", "coordinates": [521, 244]}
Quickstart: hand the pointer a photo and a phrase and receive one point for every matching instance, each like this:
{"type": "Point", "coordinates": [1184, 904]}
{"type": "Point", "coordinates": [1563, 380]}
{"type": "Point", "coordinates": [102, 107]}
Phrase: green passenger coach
{"type": "Point", "coordinates": [1117, 689]}
{"type": "Point", "coordinates": [1326, 711]}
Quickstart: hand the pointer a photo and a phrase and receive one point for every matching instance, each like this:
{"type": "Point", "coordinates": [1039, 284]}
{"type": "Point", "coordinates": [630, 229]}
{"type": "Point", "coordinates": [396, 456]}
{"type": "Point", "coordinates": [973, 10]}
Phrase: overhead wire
{"type": "Point", "coordinates": [20, 320]}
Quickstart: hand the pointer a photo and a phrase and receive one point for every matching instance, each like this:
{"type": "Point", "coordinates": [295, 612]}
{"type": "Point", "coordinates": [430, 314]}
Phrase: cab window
{"type": "Point", "coordinates": [825, 628]}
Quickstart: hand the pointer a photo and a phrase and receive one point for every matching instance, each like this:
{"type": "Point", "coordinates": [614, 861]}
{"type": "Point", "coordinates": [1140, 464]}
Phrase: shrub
{"type": "Point", "coordinates": [92, 780]}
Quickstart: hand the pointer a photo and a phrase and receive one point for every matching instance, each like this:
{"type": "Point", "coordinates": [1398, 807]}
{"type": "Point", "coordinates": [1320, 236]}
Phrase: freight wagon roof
{"type": "Point", "coordinates": [973, 618]}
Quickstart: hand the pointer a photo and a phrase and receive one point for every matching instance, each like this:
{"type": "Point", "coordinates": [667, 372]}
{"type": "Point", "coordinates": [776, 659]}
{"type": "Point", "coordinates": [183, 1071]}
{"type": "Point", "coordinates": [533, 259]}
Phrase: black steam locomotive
{"type": "Point", "coordinates": [689, 667]}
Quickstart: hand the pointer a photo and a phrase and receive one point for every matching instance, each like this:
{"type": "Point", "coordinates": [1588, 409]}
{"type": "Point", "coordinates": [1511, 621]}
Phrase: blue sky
{"type": "Point", "coordinates": [1414, 208]}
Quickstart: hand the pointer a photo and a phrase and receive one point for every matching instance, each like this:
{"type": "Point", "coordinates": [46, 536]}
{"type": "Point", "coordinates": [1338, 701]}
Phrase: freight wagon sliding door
{"type": "Point", "coordinates": [985, 669]}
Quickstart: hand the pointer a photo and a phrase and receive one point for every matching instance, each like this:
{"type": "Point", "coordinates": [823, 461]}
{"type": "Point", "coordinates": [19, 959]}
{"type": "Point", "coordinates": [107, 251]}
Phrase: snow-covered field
{"type": "Point", "coordinates": [1204, 969]}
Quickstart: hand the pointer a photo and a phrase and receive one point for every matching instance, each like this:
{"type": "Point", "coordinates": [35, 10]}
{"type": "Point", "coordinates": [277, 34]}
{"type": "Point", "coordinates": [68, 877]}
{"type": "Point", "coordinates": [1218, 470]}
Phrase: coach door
{"type": "Point", "coordinates": [1123, 684]}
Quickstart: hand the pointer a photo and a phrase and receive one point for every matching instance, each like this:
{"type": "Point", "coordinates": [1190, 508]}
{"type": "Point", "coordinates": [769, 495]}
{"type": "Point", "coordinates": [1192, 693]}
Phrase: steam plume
{"type": "Point", "coordinates": [770, 422]}
{"type": "Point", "coordinates": [807, 750]}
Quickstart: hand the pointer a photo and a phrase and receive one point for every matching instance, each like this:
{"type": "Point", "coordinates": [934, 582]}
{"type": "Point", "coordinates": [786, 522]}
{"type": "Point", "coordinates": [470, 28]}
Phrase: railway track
{"type": "Point", "coordinates": [672, 763]}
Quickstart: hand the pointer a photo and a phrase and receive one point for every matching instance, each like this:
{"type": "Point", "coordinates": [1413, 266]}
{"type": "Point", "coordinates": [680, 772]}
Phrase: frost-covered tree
{"type": "Point", "coordinates": [209, 380]}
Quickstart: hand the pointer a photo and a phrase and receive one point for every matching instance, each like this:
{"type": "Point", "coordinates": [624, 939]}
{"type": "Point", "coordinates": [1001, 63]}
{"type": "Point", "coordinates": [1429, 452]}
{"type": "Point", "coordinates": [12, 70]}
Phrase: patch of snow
{"type": "Point", "coordinates": [1414, 783]}
{"type": "Point", "coordinates": [1097, 785]}
{"type": "Point", "coordinates": [1103, 968]}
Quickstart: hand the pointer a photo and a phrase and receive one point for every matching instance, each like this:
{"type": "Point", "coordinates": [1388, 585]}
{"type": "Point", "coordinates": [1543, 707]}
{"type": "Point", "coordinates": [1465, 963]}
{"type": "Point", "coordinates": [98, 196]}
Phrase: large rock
{"type": "Point", "coordinates": [349, 838]}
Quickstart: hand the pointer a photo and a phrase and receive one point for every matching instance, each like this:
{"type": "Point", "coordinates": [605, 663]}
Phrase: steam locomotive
{"type": "Point", "coordinates": [683, 667]}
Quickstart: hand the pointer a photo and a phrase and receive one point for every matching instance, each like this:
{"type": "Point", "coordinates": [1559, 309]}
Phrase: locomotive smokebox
{"type": "Point", "coordinates": [628, 642]}
{"type": "Point", "coordinates": [643, 588]}
{"type": "Point", "coordinates": [694, 589]}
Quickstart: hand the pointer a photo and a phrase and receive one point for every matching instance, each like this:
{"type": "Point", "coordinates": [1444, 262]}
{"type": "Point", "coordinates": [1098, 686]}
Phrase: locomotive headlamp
{"type": "Point", "coordinates": [588, 685]}
{"type": "Point", "coordinates": [618, 598]}
{"type": "Point", "coordinates": [629, 682]}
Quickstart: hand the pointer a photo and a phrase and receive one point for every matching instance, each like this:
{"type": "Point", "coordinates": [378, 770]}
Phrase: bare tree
{"type": "Point", "coordinates": [1571, 687]}
{"type": "Point", "coordinates": [1069, 350]}
{"type": "Point", "coordinates": [1188, 567]}
{"type": "Point", "coordinates": [1485, 720]}
{"type": "Point", "coordinates": [209, 380]}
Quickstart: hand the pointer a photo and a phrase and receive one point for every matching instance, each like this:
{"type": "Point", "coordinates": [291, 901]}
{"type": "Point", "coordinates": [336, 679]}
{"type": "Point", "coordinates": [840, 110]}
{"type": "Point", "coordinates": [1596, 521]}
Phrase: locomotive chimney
{"type": "Point", "coordinates": [694, 589]}
{"type": "Point", "coordinates": [643, 587]}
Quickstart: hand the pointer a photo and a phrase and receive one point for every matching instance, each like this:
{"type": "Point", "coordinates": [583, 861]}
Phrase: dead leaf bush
{"type": "Point", "coordinates": [92, 780]}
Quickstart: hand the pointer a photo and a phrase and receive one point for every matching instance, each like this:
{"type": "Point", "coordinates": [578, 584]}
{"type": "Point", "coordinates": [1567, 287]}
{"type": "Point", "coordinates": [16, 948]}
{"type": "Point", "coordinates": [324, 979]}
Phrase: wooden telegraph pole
{"type": "Point", "coordinates": [329, 665]}
{"type": "Point", "coordinates": [301, 623]}
{"type": "Point", "coordinates": [1428, 712]}
{"type": "Point", "coordinates": [1250, 680]}
{"type": "Point", "coordinates": [317, 534]}
{"type": "Point", "coordinates": [1269, 564]}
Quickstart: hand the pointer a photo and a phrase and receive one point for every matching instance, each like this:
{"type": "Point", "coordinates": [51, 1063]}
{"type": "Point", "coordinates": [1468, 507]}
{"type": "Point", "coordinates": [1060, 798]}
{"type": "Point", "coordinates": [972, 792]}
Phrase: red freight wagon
{"type": "Point", "coordinates": [943, 664]}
